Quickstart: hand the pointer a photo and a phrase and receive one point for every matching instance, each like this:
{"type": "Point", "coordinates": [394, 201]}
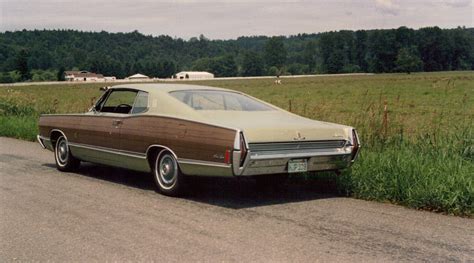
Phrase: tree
{"type": "Point", "coordinates": [60, 75]}
{"type": "Point", "coordinates": [335, 62]}
{"type": "Point", "coordinates": [225, 66]}
{"type": "Point", "coordinates": [434, 48]}
{"type": "Point", "coordinates": [275, 52]}
{"type": "Point", "coordinates": [361, 49]}
{"type": "Point", "coordinates": [167, 69]}
{"type": "Point", "coordinates": [408, 60]}
{"type": "Point", "coordinates": [297, 69]}
{"type": "Point", "coordinates": [5, 78]}
{"type": "Point", "coordinates": [252, 64]}
{"type": "Point", "coordinates": [22, 65]}
{"type": "Point", "coordinates": [124, 54]}
{"type": "Point", "coordinates": [310, 55]}
{"type": "Point", "coordinates": [383, 50]}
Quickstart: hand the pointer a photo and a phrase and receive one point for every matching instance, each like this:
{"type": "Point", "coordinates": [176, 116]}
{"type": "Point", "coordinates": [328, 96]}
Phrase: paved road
{"type": "Point", "coordinates": [109, 214]}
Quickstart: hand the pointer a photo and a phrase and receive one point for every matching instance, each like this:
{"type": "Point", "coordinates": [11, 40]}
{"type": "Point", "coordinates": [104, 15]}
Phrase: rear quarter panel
{"type": "Point", "coordinates": [188, 139]}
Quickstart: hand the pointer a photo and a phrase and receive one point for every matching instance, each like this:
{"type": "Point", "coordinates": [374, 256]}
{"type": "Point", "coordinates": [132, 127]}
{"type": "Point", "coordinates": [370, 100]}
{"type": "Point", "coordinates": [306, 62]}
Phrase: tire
{"type": "Point", "coordinates": [62, 155]}
{"type": "Point", "coordinates": [168, 178]}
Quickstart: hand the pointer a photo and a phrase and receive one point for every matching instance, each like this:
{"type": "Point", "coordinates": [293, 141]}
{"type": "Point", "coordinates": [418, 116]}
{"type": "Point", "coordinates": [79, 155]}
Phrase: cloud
{"type": "Point", "coordinates": [387, 7]}
{"type": "Point", "coordinates": [223, 19]}
{"type": "Point", "coordinates": [457, 3]}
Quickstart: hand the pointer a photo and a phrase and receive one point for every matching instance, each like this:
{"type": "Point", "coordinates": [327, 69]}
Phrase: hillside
{"type": "Point", "coordinates": [121, 54]}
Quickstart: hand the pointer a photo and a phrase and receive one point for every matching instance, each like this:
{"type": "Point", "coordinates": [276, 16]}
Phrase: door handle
{"type": "Point", "coordinates": [117, 123]}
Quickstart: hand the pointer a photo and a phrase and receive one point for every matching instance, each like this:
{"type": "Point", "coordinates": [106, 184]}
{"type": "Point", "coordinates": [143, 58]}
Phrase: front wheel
{"type": "Point", "coordinates": [64, 160]}
{"type": "Point", "coordinates": [168, 178]}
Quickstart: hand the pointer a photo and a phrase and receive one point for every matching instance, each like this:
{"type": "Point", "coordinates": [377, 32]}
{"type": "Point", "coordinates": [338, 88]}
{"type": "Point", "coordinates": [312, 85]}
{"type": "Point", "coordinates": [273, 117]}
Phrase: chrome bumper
{"type": "Point", "coordinates": [257, 164]}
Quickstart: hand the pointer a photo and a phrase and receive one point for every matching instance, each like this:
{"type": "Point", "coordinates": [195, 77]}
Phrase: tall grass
{"type": "Point", "coordinates": [432, 173]}
{"type": "Point", "coordinates": [416, 130]}
{"type": "Point", "coordinates": [18, 121]}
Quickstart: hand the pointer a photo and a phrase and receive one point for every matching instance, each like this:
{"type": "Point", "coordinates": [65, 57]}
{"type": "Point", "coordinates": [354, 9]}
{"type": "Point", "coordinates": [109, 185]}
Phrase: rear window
{"type": "Point", "coordinates": [219, 100]}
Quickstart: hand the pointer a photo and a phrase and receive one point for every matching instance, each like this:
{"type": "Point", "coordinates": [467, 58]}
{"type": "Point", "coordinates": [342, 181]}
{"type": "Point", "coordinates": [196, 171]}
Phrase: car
{"type": "Point", "coordinates": [175, 131]}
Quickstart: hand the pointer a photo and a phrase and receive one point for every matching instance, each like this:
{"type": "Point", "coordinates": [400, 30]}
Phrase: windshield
{"type": "Point", "coordinates": [219, 100]}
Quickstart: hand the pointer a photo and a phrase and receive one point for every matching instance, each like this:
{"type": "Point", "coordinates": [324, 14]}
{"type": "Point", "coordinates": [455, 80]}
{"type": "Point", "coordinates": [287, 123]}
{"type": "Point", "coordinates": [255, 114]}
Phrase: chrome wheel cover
{"type": "Point", "coordinates": [167, 171]}
{"type": "Point", "coordinates": [62, 151]}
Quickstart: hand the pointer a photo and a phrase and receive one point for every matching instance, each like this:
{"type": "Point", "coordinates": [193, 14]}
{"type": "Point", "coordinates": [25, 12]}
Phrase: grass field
{"type": "Point", "coordinates": [416, 130]}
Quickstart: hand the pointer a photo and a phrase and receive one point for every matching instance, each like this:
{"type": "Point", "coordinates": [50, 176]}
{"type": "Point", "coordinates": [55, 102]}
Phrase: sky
{"type": "Point", "coordinates": [229, 19]}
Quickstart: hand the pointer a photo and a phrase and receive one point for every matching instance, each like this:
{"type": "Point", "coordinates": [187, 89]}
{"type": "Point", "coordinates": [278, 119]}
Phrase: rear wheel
{"type": "Point", "coordinates": [168, 178]}
{"type": "Point", "coordinates": [64, 160]}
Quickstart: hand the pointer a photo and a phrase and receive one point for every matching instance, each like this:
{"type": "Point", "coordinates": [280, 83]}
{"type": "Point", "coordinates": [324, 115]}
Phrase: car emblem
{"type": "Point", "coordinates": [218, 156]}
{"type": "Point", "coordinates": [298, 137]}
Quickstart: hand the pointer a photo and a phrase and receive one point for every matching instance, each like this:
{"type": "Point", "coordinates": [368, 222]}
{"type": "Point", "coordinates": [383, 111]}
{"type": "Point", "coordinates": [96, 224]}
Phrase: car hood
{"type": "Point", "coordinates": [277, 126]}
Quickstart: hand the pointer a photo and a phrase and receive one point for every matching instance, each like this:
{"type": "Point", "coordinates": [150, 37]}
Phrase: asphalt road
{"type": "Point", "coordinates": [107, 214]}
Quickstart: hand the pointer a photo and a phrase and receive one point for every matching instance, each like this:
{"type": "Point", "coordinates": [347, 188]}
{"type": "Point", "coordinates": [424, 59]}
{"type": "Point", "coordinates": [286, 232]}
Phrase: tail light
{"type": "Point", "coordinates": [227, 156]}
{"type": "Point", "coordinates": [356, 145]}
{"type": "Point", "coordinates": [243, 149]}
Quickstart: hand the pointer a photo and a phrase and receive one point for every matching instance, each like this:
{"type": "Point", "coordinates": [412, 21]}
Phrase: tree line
{"type": "Point", "coordinates": [45, 54]}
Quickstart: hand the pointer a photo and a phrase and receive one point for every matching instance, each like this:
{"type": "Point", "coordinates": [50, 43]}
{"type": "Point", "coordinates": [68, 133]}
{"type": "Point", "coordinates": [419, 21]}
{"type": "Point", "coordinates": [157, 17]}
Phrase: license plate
{"type": "Point", "coordinates": [297, 166]}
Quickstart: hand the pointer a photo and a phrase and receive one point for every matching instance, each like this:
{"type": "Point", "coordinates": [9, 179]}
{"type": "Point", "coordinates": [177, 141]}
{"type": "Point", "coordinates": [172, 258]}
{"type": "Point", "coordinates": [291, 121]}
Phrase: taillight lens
{"type": "Point", "coordinates": [243, 150]}
{"type": "Point", "coordinates": [227, 156]}
{"type": "Point", "coordinates": [355, 142]}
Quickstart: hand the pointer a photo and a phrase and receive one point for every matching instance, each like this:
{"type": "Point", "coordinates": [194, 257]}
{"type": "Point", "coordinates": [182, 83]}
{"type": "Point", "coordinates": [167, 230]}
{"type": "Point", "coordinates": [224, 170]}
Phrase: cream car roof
{"type": "Point", "coordinates": [162, 103]}
{"type": "Point", "coordinates": [165, 88]}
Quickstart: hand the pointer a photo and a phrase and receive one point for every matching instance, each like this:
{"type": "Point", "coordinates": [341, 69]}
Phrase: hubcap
{"type": "Point", "coordinates": [168, 170]}
{"type": "Point", "coordinates": [62, 151]}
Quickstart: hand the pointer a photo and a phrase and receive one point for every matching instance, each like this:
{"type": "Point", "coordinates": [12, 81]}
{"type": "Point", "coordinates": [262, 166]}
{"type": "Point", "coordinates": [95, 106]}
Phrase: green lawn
{"type": "Point", "coordinates": [416, 130]}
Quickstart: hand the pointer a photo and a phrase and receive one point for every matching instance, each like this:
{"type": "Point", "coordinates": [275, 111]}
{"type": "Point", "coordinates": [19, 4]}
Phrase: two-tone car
{"type": "Point", "coordinates": [177, 130]}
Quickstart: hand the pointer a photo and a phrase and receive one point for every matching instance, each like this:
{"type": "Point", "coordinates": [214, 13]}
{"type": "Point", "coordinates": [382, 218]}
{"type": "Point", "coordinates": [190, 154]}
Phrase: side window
{"type": "Point", "coordinates": [141, 102]}
{"type": "Point", "coordinates": [119, 101]}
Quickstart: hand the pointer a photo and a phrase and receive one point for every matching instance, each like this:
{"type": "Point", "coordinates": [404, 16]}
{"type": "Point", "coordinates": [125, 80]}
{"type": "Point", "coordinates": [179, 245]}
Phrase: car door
{"type": "Point", "coordinates": [135, 129]}
{"type": "Point", "coordinates": [102, 127]}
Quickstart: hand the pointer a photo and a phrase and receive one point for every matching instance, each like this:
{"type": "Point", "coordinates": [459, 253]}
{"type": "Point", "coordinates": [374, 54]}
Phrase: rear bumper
{"type": "Point", "coordinates": [323, 160]}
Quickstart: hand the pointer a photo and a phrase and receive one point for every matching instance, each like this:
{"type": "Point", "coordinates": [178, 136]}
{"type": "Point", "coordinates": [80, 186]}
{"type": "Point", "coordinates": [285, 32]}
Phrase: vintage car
{"type": "Point", "coordinates": [176, 130]}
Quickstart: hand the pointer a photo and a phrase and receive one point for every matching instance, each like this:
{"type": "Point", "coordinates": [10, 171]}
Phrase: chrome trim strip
{"type": "Point", "coordinates": [256, 156]}
{"type": "Point", "coordinates": [206, 163]}
{"type": "Point", "coordinates": [297, 146]}
{"type": "Point", "coordinates": [109, 150]}
{"type": "Point", "coordinates": [53, 130]}
{"type": "Point", "coordinates": [161, 146]}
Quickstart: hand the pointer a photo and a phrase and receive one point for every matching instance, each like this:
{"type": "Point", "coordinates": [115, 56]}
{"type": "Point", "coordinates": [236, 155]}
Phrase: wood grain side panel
{"type": "Point", "coordinates": [98, 131]}
{"type": "Point", "coordinates": [67, 124]}
{"type": "Point", "coordinates": [90, 130]}
{"type": "Point", "coordinates": [187, 139]}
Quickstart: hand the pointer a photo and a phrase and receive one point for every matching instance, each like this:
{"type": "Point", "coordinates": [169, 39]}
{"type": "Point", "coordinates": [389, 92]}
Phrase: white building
{"type": "Point", "coordinates": [82, 76]}
{"type": "Point", "coordinates": [194, 75]}
{"type": "Point", "coordinates": [111, 78]}
{"type": "Point", "coordinates": [138, 76]}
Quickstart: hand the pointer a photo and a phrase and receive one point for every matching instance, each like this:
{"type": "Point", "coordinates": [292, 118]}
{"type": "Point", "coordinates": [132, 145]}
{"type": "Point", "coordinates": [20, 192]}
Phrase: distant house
{"type": "Point", "coordinates": [82, 76]}
{"type": "Point", "coordinates": [194, 75]}
{"type": "Point", "coordinates": [138, 76]}
{"type": "Point", "coordinates": [111, 78]}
